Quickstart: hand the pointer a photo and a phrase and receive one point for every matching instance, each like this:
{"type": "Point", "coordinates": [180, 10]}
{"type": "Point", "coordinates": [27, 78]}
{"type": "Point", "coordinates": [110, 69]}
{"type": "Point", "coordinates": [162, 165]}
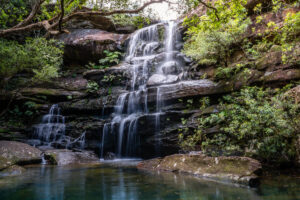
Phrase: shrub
{"type": "Point", "coordinates": [254, 121]}
{"type": "Point", "coordinates": [39, 56]}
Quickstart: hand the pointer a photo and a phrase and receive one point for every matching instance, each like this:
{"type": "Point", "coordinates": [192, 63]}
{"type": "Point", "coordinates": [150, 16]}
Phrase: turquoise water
{"type": "Point", "coordinates": [118, 183]}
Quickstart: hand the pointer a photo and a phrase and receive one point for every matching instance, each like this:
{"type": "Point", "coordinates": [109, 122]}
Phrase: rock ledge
{"type": "Point", "coordinates": [234, 169]}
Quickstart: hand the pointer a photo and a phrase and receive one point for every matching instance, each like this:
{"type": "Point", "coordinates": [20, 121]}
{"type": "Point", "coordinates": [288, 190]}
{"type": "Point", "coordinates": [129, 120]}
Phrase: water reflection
{"type": "Point", "coordinates": [118, 183]}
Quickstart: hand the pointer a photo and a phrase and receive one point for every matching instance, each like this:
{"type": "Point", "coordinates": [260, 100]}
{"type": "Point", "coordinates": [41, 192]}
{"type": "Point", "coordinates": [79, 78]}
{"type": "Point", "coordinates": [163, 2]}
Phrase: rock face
{"type": "Point", "coordinates": [55, 95]}
{"type": "Point", "coordinates": [19, 153]}
{"type": "Point", "coordinates": [158, 79]}
{"type": "Point", "coordinates": [13, 170]}
{"type": "Point", "coordinates": [87, 45]}
{"type": "Point", "coordinates": [67, 157]}
{"type": "Point", "coordinates": [241, 170]}
{"type": "Point", "coordinates": [186, 89]}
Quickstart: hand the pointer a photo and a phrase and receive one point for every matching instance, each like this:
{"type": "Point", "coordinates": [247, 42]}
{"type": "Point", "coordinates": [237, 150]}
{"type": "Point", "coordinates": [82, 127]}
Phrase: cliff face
{"type": "Point", "coordinates": [88, 110]}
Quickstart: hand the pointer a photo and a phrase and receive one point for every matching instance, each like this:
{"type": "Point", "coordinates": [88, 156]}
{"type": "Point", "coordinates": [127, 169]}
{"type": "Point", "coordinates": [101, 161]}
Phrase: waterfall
{"type": "Point", "coordinates": [52, 127]}
{"type": "Point", "coordinates": [141, 54]}
{"type": "Point", "coordinates": [51, 131]}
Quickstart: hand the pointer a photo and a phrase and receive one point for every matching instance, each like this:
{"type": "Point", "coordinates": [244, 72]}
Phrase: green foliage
{"type": "Point", "coordinates": [109, 78]}
{"type": "Point", "coordinates": [254, 122]}
{"type": "Point", "coordinates": [229, 72]}
{"type": "Point", "coordinates": [110, 59]}
{"type": "Point", "coordinates": [283, 35]}
{"type": "Point", "coordinates": [138, 21]}
{"type": "Point", "coordinates": [28, 109]}
{"type": "Point", "coordinates": [39, 56]}
{"type": "Point", "coordinates": [13, 11]}
{"type": "Point", "coordinates": [92, 87]}
{"type": "Point", "coordinates": [212, 35]}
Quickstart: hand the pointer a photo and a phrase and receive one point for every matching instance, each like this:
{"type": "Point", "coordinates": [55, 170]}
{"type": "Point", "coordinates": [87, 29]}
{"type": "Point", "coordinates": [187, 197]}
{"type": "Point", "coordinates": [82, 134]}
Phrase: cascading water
{"type": "Point", "coordinates": [51, 131]}
{"type": "Point", "coordinates": [52, 127]}
{"type": "Point", "coordinates": [141, 55]}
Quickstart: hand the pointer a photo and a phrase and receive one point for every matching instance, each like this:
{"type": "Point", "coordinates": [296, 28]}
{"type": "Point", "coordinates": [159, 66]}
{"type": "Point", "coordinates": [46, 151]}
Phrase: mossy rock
{"type": "Point", "coordinates": [236, 169]}
{"type": "Point", "coordinates": [51, 158]}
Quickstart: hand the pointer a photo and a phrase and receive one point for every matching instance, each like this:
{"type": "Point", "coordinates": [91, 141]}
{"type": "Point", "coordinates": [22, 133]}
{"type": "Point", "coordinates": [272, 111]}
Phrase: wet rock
{"type": "Point", "coordinates": [19, 153]}
{"type": "Point", "coordinates": [241, 170]}
{"type": "Point", "coordinates": [89, 106]}
{"type": "Point", "coordinates": [187, 89]}
{"type": "Point", "coordinates": [87, 45]}
{"type": "Point", "coordinates": [109, 156]}
{"type": "Point", "coordinates": [67, 157]}
{"type": "Point", "coordinates": [170, 67]}
{"type": "Point", "coordinates": [13, 170]}
{"type": "Point", "coordinates": [158, 79]}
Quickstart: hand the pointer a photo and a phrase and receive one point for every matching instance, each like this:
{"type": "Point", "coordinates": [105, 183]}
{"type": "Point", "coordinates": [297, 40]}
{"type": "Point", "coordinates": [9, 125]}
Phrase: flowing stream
{"type": "Point", "coordinates": [142, 53]}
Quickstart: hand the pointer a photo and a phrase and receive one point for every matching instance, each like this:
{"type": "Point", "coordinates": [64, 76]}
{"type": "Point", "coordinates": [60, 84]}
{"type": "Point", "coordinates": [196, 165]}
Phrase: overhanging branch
{"type": "Point", "coordinates": [49, 27]}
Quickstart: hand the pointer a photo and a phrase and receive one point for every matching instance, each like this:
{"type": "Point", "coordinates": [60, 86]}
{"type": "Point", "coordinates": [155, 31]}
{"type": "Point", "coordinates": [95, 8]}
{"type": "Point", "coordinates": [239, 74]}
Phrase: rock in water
{"type": "Point", "coordinates": [67, 157]}
{"type": "Point", "coordinates": [19, 153]}
{"type": "Point", "coordinates": [241, 170]}
{"type": "Point", "coordinates": [13, 170]}
{"type": "Point", "coordinates": [109, 156]}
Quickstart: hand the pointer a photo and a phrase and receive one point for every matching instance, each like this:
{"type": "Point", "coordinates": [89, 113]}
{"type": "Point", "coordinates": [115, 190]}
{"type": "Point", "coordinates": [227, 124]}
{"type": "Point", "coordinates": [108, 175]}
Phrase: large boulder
{"type": "Point", "coordinates": [241, 170]}
{"type": "Point", "coordinates": [67, 157]}
{"type": "Point", "coordinates": [19, 153]}
{"type": "Point", "coordinates": [88, 45]}
{"type": "Point", "coordinates": [5, 163]}
{"type": "Point", "coordinates": [90, 22]}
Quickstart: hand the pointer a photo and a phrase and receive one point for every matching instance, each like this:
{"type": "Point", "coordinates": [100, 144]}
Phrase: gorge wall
{"type": "Point", "coordinates": [144, 98]}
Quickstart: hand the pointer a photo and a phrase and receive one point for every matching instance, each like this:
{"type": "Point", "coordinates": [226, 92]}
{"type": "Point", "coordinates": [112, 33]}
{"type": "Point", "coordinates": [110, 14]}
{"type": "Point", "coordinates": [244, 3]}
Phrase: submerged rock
{"type": "Point", "coordinates": [241, 170]}
{"type": "Point", "coordinates": [67, 157]}
{"type": "Point", "coordinates": [19, 153]}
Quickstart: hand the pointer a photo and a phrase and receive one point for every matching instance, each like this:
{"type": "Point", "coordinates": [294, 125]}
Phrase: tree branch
{"type": "Point", "coordinates": [210, 7]}
{"type": "Point", "coordinates": [61, 15]}
{"type": "Point", "coordinates": [49, 27]}
{"type": "Point", "coordinates": [32, 14]}
{"type": "Point", "coordinates": [92, 13]}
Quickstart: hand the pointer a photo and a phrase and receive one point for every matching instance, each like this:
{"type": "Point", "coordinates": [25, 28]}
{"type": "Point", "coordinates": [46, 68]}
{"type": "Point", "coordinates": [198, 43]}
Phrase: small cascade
{"type": "Point", "coordinates": [142, 56]}
{"type": "Point", "coordinates": [51, 131]}
{"type": "Point", "coordinates": [52, 128]}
